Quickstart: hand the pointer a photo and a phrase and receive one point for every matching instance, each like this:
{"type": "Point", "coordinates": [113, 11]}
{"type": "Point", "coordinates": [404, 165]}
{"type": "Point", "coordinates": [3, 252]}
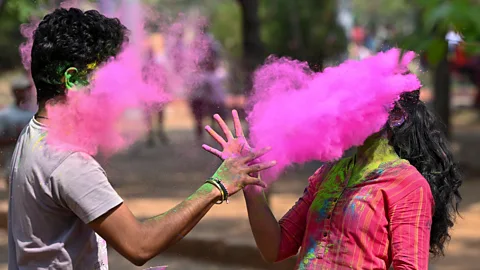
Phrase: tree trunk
{"type": "Point", "coordinates": [441, 84]}
{"type": "Point", "coordinates": [3, 4]}
{"type": "Point", "coordinates": [253, 51]}
{"type": "Point", "coordinates": [297, 38]}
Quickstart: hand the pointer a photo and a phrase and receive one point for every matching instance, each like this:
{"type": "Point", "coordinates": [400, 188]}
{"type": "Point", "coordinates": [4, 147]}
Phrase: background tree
{"type": "Point", "coordinates": [306, 30]}
{"type": "Point", "coordinates": [12, 14]}
{"type": "Point", "coordinates": [422, 26]}
{"type": "Point", "coordinates": [434, 18]}
{"type": "Point", "coordinates": [253, 49]}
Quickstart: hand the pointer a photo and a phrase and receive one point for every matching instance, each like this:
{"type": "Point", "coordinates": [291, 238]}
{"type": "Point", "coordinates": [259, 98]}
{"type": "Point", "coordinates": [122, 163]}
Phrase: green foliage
{"type": "Point", "coordinates": [226, 21]}
{"type": "Point", "coordinates": [381, 12]}
{"type": "Point", "coordinates": [429, 19]}
{"type": "Point", "coordinates": [14, 13]}
{"type": "Point", "coordinates": [305, 30]}
{"type": "Point", "coordinates": [25, 9]}
{"type": "Point", "coordinates": [435, 19]}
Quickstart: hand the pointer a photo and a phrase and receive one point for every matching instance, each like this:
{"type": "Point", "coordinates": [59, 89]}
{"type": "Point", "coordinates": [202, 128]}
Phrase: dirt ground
{"type": "Point", "coordinates": [151, 180]}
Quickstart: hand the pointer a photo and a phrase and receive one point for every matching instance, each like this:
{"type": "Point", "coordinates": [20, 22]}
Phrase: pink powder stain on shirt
{"type": "Point", "coordinates": [306, 116]}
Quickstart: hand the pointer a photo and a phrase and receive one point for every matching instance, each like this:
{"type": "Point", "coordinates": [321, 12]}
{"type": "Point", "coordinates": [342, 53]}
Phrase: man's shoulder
{"type": "Point", "coordinates": [78, 163]}
{"type": "Point", "coordinates": [35, 151]}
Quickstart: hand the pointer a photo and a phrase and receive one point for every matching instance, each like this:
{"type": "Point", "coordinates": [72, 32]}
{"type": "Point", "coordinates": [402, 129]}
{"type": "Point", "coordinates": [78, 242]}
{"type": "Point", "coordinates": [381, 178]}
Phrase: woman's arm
{"type": "Point", "coordinates": [278, 241]}
{"type": "Point", "coordinates": [265, 228]}
{"type": "Point", "coordinates": [410, 225]}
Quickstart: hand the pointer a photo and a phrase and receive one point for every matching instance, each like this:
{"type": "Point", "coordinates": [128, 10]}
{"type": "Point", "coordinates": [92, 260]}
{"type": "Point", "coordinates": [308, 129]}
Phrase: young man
{"type": "Point", "coordinates": [13, 119]}
{"type": "Point", "coordinates": [62, 205]}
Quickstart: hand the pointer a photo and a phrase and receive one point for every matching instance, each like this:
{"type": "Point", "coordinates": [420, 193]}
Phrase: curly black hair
{"type": "Point", "coordinates": [422, 141]}
{"type": "Point", "coordinates": [72, 38]}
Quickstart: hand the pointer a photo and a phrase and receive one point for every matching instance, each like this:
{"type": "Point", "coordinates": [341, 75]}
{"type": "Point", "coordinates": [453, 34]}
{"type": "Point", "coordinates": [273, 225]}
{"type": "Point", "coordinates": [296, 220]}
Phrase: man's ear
{"type": "Point", "coordinates": [68, 76]}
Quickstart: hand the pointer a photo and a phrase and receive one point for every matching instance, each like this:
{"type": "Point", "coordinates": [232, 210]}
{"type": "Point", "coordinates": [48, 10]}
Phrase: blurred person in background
{"type": "Point", "coordinates": [370, 39]}
{"type": "Point", "coordinates": [62, 208]}
{"type": "Point", "coordinates": [357, 49]}
{"type": "Point", "coordinates": [157, 59]}
{"type": "Point", "coordinates": [208, 96]}
{"type": "Point", "coordinates": [454, 39]}
{"type": "Point", "coordinates": [387, 37]}
{"type": "Point", "coordinates": [13, 119]}
{"type": "Point", "coordinates": [463, 62]}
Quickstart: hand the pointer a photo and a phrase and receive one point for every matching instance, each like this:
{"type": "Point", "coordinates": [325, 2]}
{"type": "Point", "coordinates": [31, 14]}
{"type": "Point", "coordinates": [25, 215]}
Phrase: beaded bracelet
{"type": "Point", "coordinates": [223, 190]}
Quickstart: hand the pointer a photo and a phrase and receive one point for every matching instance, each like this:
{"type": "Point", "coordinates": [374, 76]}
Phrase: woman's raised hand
{"type": "Point", "coordinates": [233, 146]}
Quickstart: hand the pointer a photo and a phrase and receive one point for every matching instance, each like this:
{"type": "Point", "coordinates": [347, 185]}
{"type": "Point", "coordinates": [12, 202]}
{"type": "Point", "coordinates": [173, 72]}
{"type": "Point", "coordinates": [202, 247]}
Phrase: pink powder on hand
{"type": "Point", "coordinates": [306, 116]}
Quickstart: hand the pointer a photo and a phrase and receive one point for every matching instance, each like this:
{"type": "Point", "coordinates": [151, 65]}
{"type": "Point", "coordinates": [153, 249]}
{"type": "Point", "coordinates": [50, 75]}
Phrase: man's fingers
{"type": "Point", "coordinates": [255, 155]}
{"type": "Point", "coordinates": [254, 181]}
{"type": "Point", "coordinates": [260, 166]}
{"type": "Point", "coordinates": [215, 136]}
{"type": "Point", "coordinates": [237, 124]}
{"type": "Point", "coordinates": [212, 150]}
{"type": "Point", "coordinates": [224, 127]}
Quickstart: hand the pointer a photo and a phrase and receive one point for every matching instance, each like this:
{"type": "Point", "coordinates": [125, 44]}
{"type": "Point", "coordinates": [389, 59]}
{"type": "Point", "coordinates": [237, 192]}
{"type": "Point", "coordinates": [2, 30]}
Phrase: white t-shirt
{"type": "Point", "coordinates": [53, 196]}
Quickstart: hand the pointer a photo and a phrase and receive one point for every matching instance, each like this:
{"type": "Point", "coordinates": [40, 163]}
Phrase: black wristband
{"type": "Point", "coordinates": [217, 186]}
{"type": "Point", "coordinates": [225, 191]}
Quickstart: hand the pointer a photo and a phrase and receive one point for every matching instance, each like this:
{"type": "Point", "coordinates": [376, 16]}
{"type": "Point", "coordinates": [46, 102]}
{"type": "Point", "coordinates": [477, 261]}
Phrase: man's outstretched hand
{"type": "Point", "coordinates": [236, 148]}
{"type": "Point", "coordinates": [235, 173]}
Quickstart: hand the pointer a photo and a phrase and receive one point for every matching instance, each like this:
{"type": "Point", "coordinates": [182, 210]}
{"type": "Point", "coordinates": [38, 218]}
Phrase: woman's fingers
{"type": "Point", "coordinates": [224, 127]}
{"type": "Point", "coordinates": [215, 136]}
{"type": "Point", "coordinates": [212, 150]}
{"type": "Point", "coordinates": [237, 124]}
{"type": "Point", "coordinates": [260, 167]}
{"type": "Point", "coordinates": [254, 181]}
{"type": "Point", "coordinates": [255, 155]}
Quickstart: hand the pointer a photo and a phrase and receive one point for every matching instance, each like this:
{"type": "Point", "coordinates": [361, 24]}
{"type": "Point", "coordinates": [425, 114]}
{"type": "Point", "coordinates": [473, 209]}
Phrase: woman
{"type": "Point", "coordinates": [392, 203]}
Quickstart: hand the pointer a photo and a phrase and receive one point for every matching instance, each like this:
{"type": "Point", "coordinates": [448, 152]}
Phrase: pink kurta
{"type": "Point", "coordinates": [361, 214]}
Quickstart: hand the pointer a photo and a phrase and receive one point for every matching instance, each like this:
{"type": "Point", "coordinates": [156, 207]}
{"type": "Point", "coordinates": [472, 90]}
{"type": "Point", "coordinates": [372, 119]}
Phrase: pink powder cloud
{"type": "Point", "coordinates": [306, 116]}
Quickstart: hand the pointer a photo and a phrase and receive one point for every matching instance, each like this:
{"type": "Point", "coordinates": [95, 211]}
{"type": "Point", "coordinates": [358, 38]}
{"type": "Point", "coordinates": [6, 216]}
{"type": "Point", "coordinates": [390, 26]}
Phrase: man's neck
{"type": "Point", "coordinates": [42, 105]}
{"type": "Point", "coordinates": [42, 113]}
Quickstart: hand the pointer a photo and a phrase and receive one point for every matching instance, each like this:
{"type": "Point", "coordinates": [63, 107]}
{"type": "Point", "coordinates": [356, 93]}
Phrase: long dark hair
{"type": "Point", "coordinates": [421, 140]}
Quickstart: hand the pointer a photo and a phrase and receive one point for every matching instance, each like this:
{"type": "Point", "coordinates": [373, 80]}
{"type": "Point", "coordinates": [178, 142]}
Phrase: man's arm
{"type": "Point", "coordinates": [141, 241]}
